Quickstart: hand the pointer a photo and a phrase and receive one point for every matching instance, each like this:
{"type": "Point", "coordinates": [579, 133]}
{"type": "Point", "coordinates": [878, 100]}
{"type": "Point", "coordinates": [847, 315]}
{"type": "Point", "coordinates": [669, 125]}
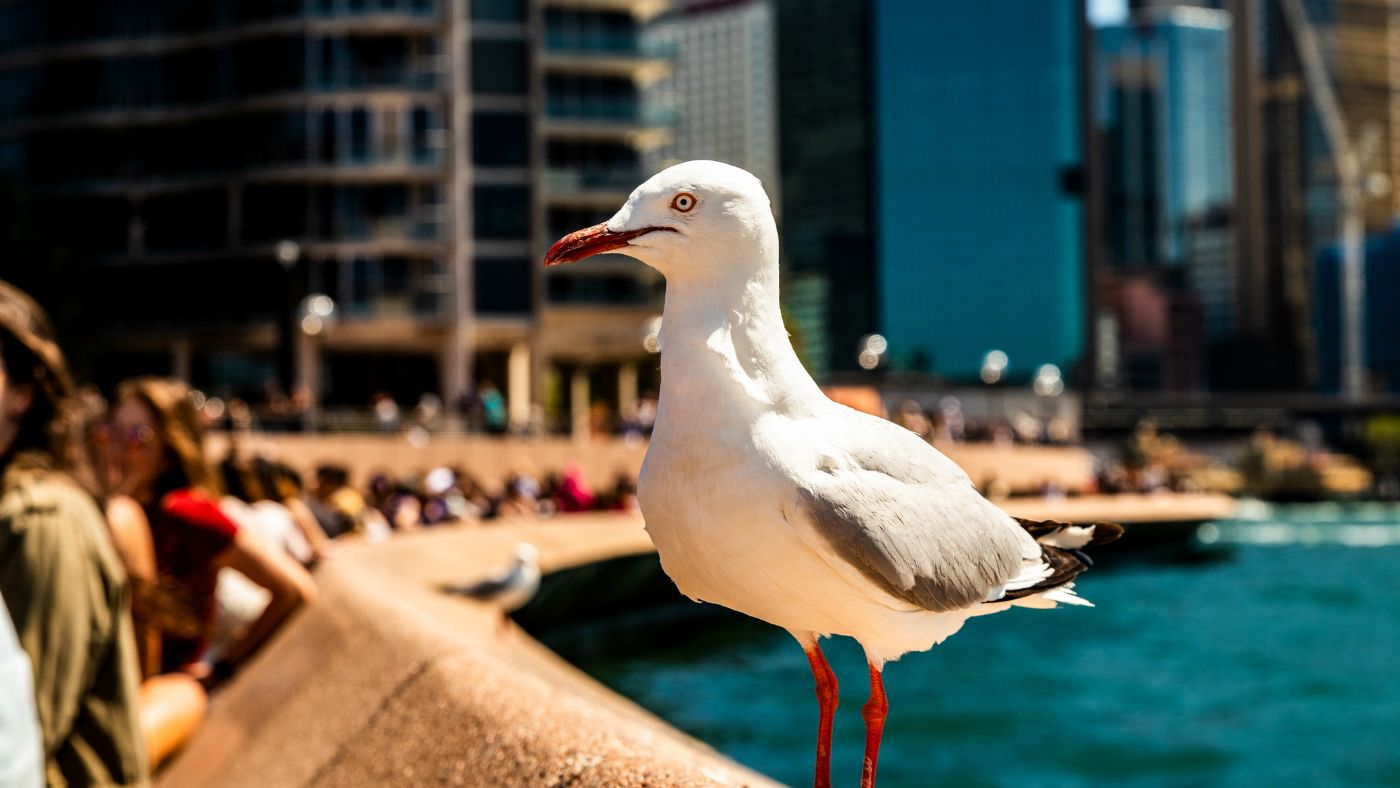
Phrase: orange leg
{"type": "Point", "coordinates": [874, 713]}
{"type": "Point", "coordinates": [827, 697]}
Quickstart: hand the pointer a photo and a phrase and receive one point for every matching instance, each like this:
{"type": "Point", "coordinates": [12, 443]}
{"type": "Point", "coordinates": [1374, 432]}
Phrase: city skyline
{"type": "Point", "coordinates": [956, 194]}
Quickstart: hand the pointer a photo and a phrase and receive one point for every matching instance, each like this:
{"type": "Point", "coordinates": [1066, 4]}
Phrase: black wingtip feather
{"type": "Point", "coordinates": [1105, 533]}
{"type": "Point", "coordinates": [1064, 564]}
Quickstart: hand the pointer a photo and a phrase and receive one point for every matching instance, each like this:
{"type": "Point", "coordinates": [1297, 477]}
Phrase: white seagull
{"type": "Point", "coordinates": [510, 588]}
{"type": "Point", "coordinates": [764, 496]}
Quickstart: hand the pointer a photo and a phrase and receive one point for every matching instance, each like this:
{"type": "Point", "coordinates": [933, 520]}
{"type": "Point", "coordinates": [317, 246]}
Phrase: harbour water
{"type": "Point", "coordinates": [1275, 660]}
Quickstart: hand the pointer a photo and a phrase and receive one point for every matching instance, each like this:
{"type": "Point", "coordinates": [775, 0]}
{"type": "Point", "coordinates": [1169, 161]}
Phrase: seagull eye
{"type": "Point", "coordinates": [683, 202]}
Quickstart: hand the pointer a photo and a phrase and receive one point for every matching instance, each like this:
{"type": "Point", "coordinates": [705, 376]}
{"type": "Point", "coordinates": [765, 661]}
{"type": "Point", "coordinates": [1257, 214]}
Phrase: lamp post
{"type": "Point", "coordinates": [288, 254]}
{"type": "Point", "coordinates": [994, 366]}
{"type": "Point", "coordinates": [316, 316]}
{"type": "Point", "coordinates": [1048, 385]}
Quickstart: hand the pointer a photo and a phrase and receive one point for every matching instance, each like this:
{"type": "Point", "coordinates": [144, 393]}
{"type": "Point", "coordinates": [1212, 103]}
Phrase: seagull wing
{"type": "Point", "coordinates": [487, 589]}
{"type": "Point", "coordinates": [884, 501]}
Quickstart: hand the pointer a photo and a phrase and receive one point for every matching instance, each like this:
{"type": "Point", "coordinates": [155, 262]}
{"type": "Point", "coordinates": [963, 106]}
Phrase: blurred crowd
{"type": "Point", "coordinates": [449, 495]}
{"type": "Point", "coordinates": [136, 575]}
{"type": "Point", "coordinates": [946, 424]}
{"type": "Point", "coordinates": [481, 409]}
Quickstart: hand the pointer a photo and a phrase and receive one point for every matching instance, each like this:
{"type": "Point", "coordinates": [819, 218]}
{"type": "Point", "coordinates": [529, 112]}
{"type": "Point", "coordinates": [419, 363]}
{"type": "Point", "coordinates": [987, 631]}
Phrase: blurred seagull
{"type": "Point", "coordinates": [511, 588]}
{"type": "Point", "coordinates": [764, 496]}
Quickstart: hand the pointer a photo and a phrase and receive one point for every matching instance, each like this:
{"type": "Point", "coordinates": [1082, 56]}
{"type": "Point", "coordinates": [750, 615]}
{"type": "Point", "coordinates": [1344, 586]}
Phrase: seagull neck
{"type": "Point", "coordinates": [736, 323]}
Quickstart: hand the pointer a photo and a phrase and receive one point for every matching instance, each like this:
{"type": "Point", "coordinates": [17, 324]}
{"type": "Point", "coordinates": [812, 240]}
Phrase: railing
{"type": "Point", "coordinates": [404, 79]}
{"type": "Point", "coordinates": [194, 20]}
{"type": "Point", "coordinates": [609, 110]}
{"type": "Point", "coordinates": [429, 157]}
{"type": "Point", "coordinates": [559, 179]}
{"type": "Point", "coordinates": [419, 303]}
{"type": "Point", "coordinates": [621, 44]}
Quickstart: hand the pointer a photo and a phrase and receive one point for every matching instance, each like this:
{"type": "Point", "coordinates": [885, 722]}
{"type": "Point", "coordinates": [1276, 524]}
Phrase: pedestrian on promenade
{"type": "Point", "coordinates": [62, 582]}
{"type": "Point", "coordinates": [159, 462]}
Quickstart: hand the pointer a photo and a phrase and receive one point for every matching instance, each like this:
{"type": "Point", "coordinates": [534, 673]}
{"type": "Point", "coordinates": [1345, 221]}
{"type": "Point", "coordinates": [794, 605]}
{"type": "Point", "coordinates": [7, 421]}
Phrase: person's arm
{"type": "Point", "coordinates": [56, 601]}
{"type": "Point", "coordinates": [308, 525]}
{"type": "Point", "coordinates": [290, 586]}
{"type": "Point", "coordinates": [131, 536]}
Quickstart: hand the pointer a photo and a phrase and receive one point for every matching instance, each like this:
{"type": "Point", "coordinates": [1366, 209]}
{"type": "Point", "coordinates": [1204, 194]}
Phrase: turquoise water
{"type": "Point", "coordinates": [1276, 662]}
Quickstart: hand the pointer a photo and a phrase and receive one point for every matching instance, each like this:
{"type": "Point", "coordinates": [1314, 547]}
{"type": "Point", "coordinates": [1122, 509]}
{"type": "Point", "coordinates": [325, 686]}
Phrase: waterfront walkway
{"type": "Point", "coordinates": [388, 681]}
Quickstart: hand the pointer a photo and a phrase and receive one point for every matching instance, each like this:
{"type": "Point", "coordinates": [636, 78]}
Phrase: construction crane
{"type": "Point", "coordinates": [1356, 180]}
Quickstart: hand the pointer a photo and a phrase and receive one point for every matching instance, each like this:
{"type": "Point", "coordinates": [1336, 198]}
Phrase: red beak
{"type": "Point", "coordinates": [590, 241]}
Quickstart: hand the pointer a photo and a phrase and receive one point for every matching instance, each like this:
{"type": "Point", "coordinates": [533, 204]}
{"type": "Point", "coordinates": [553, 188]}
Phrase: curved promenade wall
{"type": "Point", "coordinates": [387, 681]}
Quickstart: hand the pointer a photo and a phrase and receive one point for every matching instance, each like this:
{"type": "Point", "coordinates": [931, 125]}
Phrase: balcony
{"type": "Point", "coordinates": [589, 187]}
{"type": "Point", "coordinates": [642, 10]}
{"type": "Point", "coordinates": [603, 119]}
{"type": "Point", "coordinates": [572, 52]}
{"type": "Point", "coordinates": [117, 30]}
{"type": "Point", "coordinates": [322, 9]}
{"type": "Point", "coordinates": [423, 77]}
{"type": "Point", "coordinates": [356, 169]}
{"type": "Point", "coordinates": [421, 227]}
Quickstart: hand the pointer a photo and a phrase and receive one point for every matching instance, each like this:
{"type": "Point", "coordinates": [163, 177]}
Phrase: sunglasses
{"type": "Point", "coordinates": [130, 438]}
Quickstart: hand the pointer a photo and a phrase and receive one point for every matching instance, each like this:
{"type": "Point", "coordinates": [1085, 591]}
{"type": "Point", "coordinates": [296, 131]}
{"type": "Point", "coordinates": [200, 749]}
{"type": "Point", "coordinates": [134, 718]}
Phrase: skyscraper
{"type": "Point", "coordinates": [1163, 102]}
{"type": "Point", "coordinates": [1382, 313]}
{"type": "Point", "coordinates": [930, 162]}
{"type": "Point", "coordinates": [827, 153]}
{"type": "Point", "coordinates": [1360, 43]}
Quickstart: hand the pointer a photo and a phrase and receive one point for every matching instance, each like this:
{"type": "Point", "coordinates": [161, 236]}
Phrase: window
{"type": "Point", "coordinates": [427, 135]}
{"type": "Point", "coordinates": [359, 134]}
{"type": "Point", "coordinates": [498, 10]}
{"type": "Point", "coordinates": [500, 67]}
{"type": "Point", "coordinates": [500, 139]}
{"type": "Point", "coordinates": [502, 285]}
{"type": "Point", "coordinates": [502, 211]}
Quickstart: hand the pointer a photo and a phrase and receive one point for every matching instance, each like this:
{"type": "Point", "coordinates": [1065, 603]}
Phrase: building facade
{"type": "Point", "coordinates": [412, 150]}
{"type": "Point", "coordinates": [724, 86]}
{"type": "Point", "coordinates": [1297, 216]}
{"type": "Point", "coordinates": [1382, 310]}
{"type": "Point", "coordinates": [930, 162]}
{"type": "Point", "coordinates": [1163, 104]}
{"type": "Point", "coordinates": [978, 149]}
{"type": "Point", "coordinates": [826, 143]}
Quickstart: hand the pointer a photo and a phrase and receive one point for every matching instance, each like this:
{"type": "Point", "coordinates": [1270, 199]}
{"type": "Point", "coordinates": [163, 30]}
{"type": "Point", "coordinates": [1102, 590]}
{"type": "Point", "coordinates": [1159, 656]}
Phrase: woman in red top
{"type": "Point", "coordinates": [158, 460]}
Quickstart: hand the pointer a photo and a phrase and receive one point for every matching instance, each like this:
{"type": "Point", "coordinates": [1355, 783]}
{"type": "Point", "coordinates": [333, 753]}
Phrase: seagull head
{"type": "Point", "coordinates": [686, 220]}
{"type": "Point", "coordinates": [527, 554]}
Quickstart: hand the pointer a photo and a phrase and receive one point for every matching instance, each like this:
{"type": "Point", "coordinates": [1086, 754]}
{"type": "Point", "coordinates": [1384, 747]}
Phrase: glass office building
{"type": "Point", "coordinates": [1164, 101]}
{"type": "Point", "coordinates": [977, 150]}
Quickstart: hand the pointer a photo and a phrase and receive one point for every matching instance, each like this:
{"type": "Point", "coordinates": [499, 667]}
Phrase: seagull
{"type": "Point", "coordinates": [512, 587]}
{"type": "Point", "coordinates": [764, 496]}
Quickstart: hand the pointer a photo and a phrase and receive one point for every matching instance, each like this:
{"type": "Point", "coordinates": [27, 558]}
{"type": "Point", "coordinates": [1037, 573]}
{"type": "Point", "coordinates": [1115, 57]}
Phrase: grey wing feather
{"type": "Point", "coordinates": [486, 589]}
{"type": "Point", "coordinates": [909, 519]}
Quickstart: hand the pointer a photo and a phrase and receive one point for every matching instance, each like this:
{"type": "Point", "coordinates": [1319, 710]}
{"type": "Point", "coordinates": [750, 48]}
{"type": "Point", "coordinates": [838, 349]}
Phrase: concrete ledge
{"type": "Point", "coordinates": [386, 681]}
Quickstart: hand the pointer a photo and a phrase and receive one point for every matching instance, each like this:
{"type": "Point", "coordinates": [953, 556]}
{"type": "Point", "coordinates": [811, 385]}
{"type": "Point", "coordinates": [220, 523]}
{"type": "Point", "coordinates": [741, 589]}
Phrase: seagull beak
{"type": "Point", "coordinates": [590, 241]}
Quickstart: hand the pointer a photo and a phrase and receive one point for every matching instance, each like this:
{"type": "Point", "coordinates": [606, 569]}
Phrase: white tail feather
{"type": "Point", "coordinates": [1071, 537]}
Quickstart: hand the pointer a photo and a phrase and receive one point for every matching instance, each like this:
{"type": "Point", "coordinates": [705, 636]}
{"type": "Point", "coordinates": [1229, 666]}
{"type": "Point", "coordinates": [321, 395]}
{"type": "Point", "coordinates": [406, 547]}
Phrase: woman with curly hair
{"type": "Point", "coordinates": [63, 585]}
{"type": "Point", "coordinates": [157, 460]}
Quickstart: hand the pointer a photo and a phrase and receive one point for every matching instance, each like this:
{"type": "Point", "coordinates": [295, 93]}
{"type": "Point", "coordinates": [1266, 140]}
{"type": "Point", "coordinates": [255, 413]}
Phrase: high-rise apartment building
{"type": "Point", "coordinates": [930, 165]}
{"type": "Point", "coordinates": [595, 131]}
{"type": "Point", "coordinates": [419, 153]}
{"type": "Point", "coordinates": [724, 85]}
